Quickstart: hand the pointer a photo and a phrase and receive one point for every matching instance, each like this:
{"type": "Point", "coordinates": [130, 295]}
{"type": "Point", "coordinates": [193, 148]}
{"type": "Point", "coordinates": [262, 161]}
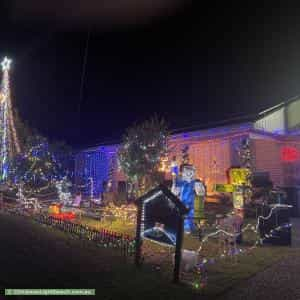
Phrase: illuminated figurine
{"type": "Point", "coordinates": [77, 201]}
{"type": "Point", "coordinates": [199, 201]}
{"type": "Point", "coordinates": [62, 188]}
{"type": "Point", "coordinates": [186, 187]}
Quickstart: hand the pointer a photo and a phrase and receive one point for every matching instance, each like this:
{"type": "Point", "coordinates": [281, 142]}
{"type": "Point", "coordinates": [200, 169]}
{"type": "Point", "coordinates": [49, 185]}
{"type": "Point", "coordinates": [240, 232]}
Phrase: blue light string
{"type": "Point", "coordinates": [95, 165]}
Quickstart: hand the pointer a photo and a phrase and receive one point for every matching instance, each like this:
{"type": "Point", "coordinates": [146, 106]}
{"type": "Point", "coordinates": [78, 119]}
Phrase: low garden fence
{"type": "Point", "coordinates": [103, 238]}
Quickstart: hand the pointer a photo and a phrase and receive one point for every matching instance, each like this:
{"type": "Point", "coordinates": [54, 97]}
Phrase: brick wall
{"type": "Point", "coordinates": [211, 158]}
{"type": "Point", "coordinates": [267, 158]}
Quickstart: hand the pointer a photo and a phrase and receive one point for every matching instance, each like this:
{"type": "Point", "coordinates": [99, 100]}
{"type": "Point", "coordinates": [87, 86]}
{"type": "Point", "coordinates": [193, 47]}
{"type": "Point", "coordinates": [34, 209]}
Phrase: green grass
{"type": "Point", "coordinates": [118, 225]}
{"type": "Point", "coordinates": [190, 243]}
{"type": "Point", "coordinates": [35, 256]}
{"type": "Point", "coordinates": [226, 272]}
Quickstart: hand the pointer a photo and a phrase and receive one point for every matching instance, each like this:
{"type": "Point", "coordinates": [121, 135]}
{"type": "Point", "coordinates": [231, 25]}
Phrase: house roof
{"type": "Point", "coordinates": [181, 207]}
{"type": "Point", "coordinates": [214, 129]}
{"type": "Point", "coordinates": [278, 106]}
{"type": "Point", "coordinates": [105, 147]}
{"type": "Point", "coordinates": [214, 132]}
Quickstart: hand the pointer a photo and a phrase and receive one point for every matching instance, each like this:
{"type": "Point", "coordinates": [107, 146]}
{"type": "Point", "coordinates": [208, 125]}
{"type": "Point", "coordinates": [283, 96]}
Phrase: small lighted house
{"type": "Point", "coordinates": [161, 212]}
{"type": "Point", "coordinates": [273, 135]}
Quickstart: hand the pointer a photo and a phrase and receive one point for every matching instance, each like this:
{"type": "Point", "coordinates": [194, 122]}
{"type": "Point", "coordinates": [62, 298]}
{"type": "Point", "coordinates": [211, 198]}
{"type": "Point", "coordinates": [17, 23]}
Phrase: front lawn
{"type": "Point", "coordinates": [36, 256]}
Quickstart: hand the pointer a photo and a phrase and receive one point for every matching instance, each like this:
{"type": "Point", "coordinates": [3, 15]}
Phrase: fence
{"type": "Point", "coordinates": [103, 238]}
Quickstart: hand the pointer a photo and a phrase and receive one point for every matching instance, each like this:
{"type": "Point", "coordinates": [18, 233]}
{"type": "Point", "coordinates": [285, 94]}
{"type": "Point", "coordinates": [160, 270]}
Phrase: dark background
{"type": "Point", "coordinates": [190, 63]}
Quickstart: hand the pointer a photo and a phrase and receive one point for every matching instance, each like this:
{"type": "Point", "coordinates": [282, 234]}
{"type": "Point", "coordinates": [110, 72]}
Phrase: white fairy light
{"type": "Point", "coordinates": [9, 143]}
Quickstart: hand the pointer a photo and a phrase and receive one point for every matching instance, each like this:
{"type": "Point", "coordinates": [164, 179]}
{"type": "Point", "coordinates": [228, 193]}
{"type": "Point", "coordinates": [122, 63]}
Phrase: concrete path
{"type": "Point", "coordinates": [279, 282]}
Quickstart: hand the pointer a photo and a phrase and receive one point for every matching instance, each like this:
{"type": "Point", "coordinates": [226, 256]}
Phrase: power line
{"type": "Point", "coordinates": [83, 71]}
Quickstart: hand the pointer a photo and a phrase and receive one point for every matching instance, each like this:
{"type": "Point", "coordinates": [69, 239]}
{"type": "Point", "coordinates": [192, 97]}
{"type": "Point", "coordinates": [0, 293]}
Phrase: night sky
{"type": "Point", "coordinates": [191, 64]}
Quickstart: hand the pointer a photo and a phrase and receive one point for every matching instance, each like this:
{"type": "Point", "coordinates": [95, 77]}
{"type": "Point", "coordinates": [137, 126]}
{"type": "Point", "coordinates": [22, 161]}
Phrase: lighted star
{"type": "Point", "coordinates": [6, 63]}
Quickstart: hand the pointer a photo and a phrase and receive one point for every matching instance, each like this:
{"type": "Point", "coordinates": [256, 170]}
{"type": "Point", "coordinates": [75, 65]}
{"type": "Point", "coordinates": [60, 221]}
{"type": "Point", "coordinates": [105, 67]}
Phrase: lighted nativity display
{"type": "Point", "coordinates": [161, 215]}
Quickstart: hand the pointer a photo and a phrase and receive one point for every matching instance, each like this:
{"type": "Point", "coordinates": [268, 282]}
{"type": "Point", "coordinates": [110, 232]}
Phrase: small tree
{"type": "Point", "coordinates": [37, 167]}
{"type": "Point", "coordinates": [141, 151]}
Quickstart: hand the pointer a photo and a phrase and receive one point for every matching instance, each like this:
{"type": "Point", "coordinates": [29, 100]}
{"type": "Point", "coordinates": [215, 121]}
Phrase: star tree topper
{"type": "Point", "coordinates": [5, 64]}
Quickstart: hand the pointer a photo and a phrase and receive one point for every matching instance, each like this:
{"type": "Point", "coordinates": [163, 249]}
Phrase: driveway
{"type": "Point", "coordinates": [279, 282]}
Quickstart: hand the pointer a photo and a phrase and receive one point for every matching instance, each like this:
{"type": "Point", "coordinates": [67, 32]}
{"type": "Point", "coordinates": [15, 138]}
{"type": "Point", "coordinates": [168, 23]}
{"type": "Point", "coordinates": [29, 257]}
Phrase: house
{"type": "Point", "coordinates": [274, 141]}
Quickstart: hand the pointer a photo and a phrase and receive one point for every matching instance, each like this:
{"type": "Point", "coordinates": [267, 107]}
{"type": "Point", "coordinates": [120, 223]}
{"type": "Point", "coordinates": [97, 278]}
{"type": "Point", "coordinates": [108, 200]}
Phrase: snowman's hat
{"type": "Point", "coordinates": [187, 166]}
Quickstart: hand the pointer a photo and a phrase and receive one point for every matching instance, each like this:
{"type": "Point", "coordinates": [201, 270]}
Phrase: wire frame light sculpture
{"type": "Point", "coordinates": [9, 143]}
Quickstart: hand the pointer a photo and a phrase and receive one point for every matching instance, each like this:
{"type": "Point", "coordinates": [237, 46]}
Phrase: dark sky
{"type": "Point", "coordinates": [187, 62]}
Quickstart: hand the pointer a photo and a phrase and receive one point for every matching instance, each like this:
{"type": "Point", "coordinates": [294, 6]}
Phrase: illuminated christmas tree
{"type": "Point", "coordinates": [245, 154]}
{"type": "Point", "coordinates": [9, 143]}
{"type": "Point", "coordinates": [140, 154]}
{"type": "Point", "coordinates": [37, 167]}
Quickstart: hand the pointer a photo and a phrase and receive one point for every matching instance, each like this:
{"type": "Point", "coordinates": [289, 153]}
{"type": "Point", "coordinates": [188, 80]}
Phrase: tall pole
{"type": "Point", "coordinates": [138, 240]}
{"type": "Point", "coordinates": [82, 80]}
{"type": "Point", "coordinates": [179, 240]}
